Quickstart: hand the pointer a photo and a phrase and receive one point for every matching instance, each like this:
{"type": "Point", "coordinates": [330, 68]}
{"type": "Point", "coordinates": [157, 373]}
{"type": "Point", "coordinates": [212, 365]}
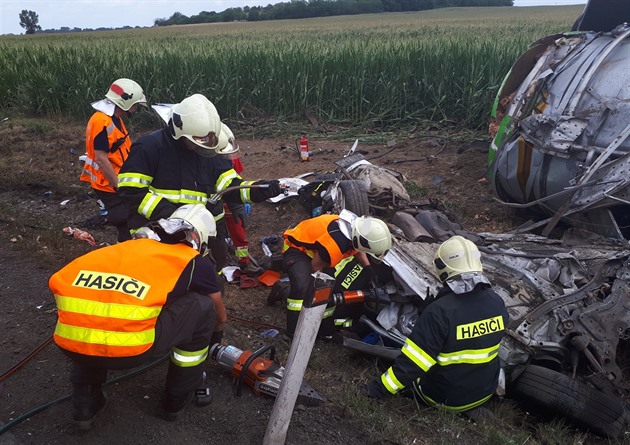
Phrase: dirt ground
{"type": "Point", "coordinates": [40, 172]}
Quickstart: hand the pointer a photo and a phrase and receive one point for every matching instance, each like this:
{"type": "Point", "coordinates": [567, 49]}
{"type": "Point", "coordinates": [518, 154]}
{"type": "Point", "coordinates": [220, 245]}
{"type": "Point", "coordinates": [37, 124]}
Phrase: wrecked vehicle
{"type": "Point", "coordinates": [561, 122]}
{"type": "Point", "coordinates": [569, 320]}
{"type": "Point", "coordinates": [565, 347]}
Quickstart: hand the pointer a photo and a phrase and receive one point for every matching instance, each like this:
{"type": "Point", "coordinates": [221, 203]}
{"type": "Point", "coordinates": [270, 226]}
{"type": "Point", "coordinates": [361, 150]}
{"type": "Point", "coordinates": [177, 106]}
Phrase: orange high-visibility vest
{"type": "Point", "coordinates": [305, 234]}
{"type": "Point", "coordinates": [108, 300]}
{"type": "Point", "coordinates": [116, 137]}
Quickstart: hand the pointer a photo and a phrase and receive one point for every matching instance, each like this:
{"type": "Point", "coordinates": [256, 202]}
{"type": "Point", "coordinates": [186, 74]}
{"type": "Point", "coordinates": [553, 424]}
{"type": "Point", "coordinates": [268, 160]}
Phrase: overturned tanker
{"type": "Point", "coordinates": [561, 126]}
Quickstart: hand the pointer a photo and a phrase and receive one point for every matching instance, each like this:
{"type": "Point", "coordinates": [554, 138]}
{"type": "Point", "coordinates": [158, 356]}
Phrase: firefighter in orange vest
{"type": "Point", "coordinates": [131, 303]}
{"type": "Point", "coordinates": [323, 242]}
{"type": "Point", "coordinates": [450, 359]}
{"type": "Point", "coordinates": [107, 145]}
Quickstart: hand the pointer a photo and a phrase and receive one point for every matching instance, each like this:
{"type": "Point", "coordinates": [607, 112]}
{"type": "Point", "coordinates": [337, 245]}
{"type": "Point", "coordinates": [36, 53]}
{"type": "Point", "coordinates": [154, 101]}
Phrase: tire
{"type": "Point", "coordinates": [353, 197]}
{"type": "Point", "coordinates": [600, 413]}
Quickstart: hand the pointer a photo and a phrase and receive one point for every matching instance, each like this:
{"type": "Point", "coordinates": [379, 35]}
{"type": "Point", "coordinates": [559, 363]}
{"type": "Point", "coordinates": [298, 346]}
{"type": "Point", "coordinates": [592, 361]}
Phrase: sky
{"type": "Point", "coordinates": [118, 13]}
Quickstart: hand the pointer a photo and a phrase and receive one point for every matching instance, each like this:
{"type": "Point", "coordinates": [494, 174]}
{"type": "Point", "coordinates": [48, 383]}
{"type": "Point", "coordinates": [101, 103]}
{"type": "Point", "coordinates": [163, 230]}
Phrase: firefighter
{"type": "Point", "coordinates": [325, 242]}
{"type": "Point", "coordinates": [179, 164]}
{"type": "Point", "coordinates": [236, 214]}
{"type": "Point", "coordinates": [131, 303]}
{"type": "Point", "coordinates": [107, 145]}
{"type": "Point", "coordinates": [451, 357]}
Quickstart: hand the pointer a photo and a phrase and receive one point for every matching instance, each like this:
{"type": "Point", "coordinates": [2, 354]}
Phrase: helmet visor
{"type": "Point", "coordinates": [210, 140]}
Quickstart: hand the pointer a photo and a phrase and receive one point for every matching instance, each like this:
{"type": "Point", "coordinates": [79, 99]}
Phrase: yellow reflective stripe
{"type": "Point", "coordinates": [225, 179]}
{"type": "Point", "coordinates": [391, 382]}
{"type": "Point", "coordinates": [148, 204]}
{"type": "Point", "coordinates": [219, 216]}
{"type": "Point", "coordinates": [417, 355]}
{"type": "Point", "coordinates": [110, 310]}
{"type": "Point", "coordinates": [329, 312]}
{"type": "Point", "coordinates": [339, 267]}
{"type": "Point", "coordinates": [241, 252]}
{"type": "Point", "coordinates": [343, 322]}
{"type": "Point", "coordinates": [455, 409]}
{"type": "Point", "coordinates": [101, 337]}
{"type": "Point", "coordinates": [134, 180]}
{"type": "Point", "coordinates": [470, 356]}
{"type": "Point", "coordinates": [188, 359]}
{"type": "Point", "coordinates": [294, 305]}
{"type": "Point", "coordinates": [245, 193]}
{"type": "Point", "coordinates": [192, 197]}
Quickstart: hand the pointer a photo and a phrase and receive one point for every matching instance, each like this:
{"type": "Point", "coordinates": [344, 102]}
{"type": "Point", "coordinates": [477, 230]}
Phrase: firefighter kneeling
{"type": "Point", "coordinates": [131, 303]}
{"type": "Point", "coordinates": [451, 357]}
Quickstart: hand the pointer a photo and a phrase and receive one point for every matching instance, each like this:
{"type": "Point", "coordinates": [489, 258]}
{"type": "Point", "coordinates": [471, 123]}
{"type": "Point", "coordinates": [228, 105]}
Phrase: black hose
{"type": "Point", "coordinates": [7, 426]}
{"type": "Point", "coordinates": [26, 359]}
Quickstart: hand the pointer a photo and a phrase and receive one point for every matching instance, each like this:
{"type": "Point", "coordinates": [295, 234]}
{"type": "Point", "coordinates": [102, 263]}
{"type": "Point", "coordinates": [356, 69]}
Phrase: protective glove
{"type": "Point", "coordinates": [238, 213]}
{"type": "Point", "coordinates": [374, 390]}
{"type": "Point", "coordinates": [217, 337]}
{"type": "Point", "coordinates": [274, 188]}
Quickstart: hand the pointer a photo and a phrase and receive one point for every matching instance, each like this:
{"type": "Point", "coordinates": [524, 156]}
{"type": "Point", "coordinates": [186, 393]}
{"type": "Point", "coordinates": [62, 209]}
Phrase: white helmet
{"type": "Point", "coordinates": [227, 142]}
{"type": "Point", "coordinates": [125, 93]}
{"type": "Point", "coordinates": [456, 256]}
{"type": "Point", "coordinates": [195, 221]}
{"type": "Point", "coordinates": [196, 119]}
{"type": "Point", "coordinates": [371, 235]}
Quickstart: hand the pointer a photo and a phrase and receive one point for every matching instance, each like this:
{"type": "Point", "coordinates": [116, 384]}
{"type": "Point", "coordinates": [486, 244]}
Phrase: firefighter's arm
{"type": "Point", "coordinates": [134, 180]}
{"type": "Point", "coordinates": [219, 308]}
{"type": "Point", "coordinates": [418, 355]}
{"type": "Point", "coordinates": [248, 195]}
{"type": "Point", "coordinates": [102, 159]}
{"type": "Point", "coordinates": [318, 263]}
{"type": "Point", "coordinates": [362, 258]}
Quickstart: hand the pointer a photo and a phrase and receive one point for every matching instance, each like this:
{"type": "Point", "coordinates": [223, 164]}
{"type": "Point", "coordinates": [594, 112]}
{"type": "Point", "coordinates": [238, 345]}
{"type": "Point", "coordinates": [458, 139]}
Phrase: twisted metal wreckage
{"type": "Point", "coordinates": [561, 148]}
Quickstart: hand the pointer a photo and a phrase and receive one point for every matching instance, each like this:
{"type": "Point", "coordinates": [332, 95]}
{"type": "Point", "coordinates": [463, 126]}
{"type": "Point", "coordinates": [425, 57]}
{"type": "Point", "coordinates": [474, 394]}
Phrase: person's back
{"type": "Point", "coordinates": [451, 356]}
{"type": "Point", "coordinates": [472, 325]}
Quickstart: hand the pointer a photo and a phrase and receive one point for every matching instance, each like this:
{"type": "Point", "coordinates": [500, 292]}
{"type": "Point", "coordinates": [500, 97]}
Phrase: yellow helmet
{"type": "Point", "coordinates": [371, 235]}
{"type": "Point", "coordinates": [196, 119]}
{"type": "Point", "coordinates": [195, 221]}
{"type": "Point", "coordinates": [227, 142]}
{"type": "Point", "coordinates": [125, 93]}
{"type": "Point", "coordinates": [456, 256]}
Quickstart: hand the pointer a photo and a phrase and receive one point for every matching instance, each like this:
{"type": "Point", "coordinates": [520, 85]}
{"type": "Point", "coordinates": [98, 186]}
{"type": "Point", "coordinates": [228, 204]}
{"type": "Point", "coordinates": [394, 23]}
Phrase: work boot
{"type": "Point", "coordinates": [478, 414]}
{"type": "Point", "coordinates": [172, 406]}
{"type": "Point", "coordinates": [250, 268]}
{"type": "Point", "coordinates": [87, 402]}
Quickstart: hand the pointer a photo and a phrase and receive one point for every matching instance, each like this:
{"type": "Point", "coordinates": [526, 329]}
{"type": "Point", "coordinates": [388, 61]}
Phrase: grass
{"type": "Point", "coordinates": [376, 71]}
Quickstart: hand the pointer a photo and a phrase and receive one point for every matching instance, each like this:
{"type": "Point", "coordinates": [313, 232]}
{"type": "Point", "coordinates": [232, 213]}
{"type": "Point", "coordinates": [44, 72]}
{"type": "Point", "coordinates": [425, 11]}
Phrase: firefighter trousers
{"type": "Point", "coordinates": [297, 265]}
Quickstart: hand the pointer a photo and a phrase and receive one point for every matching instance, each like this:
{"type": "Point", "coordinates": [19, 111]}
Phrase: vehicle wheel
{"type": "Point", "coordinates": [600, 413]}
{"type": "Point", "coordinates": [352, 196]}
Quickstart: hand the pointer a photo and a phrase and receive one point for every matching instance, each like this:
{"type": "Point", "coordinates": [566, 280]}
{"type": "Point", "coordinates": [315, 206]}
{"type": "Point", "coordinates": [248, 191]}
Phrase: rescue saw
{"type": "Point", "coordinates": [263, 375]}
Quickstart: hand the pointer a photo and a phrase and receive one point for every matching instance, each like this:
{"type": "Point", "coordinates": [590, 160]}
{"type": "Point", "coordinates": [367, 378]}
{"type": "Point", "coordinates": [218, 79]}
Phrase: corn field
{"type": "Point", "coordinates": [377, 70]}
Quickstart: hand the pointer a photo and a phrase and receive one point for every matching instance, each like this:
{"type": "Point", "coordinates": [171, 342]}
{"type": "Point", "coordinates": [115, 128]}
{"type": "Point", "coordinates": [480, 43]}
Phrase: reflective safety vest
{"type": "Point", "coordinates": [119, 143]}
{"type": "Point", "coordinates": [306, 234]}
{"type": "Point", "coordinates": [108, 300]}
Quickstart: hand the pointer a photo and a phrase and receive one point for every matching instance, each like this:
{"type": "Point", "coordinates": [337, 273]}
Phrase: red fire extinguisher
{"type": "Point", "coordinates": [303, 148]}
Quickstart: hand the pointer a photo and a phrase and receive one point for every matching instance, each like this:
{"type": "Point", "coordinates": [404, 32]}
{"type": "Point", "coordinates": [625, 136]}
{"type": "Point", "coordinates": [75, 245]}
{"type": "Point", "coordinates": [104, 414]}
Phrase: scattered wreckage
{"type": "Point", "coordinates": [568, 300]}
